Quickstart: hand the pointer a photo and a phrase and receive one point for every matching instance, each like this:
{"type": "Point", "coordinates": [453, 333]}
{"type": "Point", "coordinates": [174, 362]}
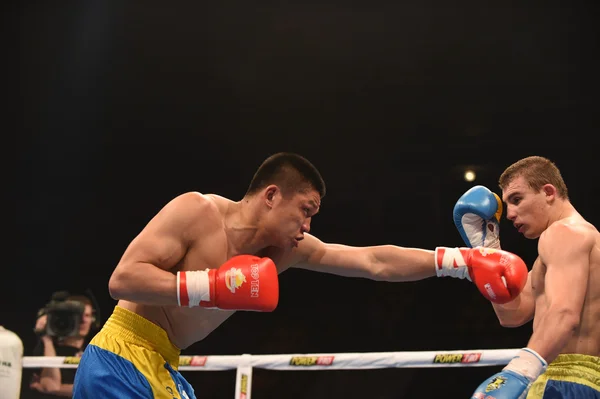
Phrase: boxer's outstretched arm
{"type": "Point", "coordinates": [142, 274]}
{"type": "Point", "coordinates": [384, 262]}
{"type": "Point", "coordinates": [565, 251]}
{"type": "Point", "coordinates": [499, 275]}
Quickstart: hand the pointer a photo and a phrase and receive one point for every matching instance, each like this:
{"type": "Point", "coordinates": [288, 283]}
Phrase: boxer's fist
{"type": "Point", "coordinates": [477, 216]}
{"type": "Point", "coordinates": [514, 381]}
{"type": "Point", "coordinates": [244, 282]}
{"type": "Point", "coordinates": [503, 385]}
{"type": "Point", "coordinates": [499, 275]}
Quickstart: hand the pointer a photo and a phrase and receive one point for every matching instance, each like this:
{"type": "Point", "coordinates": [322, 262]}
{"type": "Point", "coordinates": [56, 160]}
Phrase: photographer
{"type": "Point", "coordinates": [62, 326]}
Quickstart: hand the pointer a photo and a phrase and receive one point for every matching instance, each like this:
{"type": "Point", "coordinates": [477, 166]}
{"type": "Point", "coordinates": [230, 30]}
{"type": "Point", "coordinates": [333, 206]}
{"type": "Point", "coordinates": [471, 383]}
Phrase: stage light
{"type": "Point", "coordinates": [469, 175]}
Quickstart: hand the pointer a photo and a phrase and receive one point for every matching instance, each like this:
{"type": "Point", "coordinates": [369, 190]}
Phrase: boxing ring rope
{"type": "Point", "coordinates": [313, 362]}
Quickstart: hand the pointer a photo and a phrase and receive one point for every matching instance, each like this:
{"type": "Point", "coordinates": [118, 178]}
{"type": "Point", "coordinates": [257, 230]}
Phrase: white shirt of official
{"type": "Point", "coordinates": [11, 364]}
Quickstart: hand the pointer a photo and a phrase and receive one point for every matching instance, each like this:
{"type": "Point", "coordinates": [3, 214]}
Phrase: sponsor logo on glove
{"type": "Point", "coordinates": [234, 278]}
{"type": "Point", "coordinates": [496, 383]}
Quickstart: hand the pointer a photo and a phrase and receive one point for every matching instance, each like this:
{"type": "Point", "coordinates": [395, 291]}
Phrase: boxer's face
{"type": "Point", "coordinates": [526, 208]}
{"type": "Point", "coordinates": [290, 216]}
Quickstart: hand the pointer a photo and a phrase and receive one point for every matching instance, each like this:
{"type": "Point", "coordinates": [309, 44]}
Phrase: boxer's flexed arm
{"type": "Point", "coordinates": [565, 251]}
{"type": "Point", "coordinates": [142, 274]}
{"type": "Point", "coordinates": [477, 216]}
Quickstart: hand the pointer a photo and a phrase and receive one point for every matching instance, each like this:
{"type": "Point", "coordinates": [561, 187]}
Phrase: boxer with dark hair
{"type": "Point", "coordinates": [204, 256]}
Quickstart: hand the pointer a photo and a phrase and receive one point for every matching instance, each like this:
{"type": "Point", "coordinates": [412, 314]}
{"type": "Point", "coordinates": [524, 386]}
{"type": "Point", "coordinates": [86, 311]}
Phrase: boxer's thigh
{"type": "Point", "coordinates": [135, 372]}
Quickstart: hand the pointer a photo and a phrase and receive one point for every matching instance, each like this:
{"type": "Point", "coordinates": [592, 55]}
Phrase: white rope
{"type": "Point", "coordinates": [319, 361]}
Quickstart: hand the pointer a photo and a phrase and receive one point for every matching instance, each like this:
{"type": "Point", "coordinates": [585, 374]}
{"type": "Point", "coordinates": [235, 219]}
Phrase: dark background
{"type": "Point", "coordinates": [120, 106]}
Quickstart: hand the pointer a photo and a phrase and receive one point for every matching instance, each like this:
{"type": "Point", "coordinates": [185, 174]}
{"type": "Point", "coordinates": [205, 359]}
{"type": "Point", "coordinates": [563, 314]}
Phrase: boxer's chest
{"type": "Point", "coordinates": [211, 252]}
{"type": "Point", "coordinates": [207, 252]}
{"type": "Point", "coordinates": [537, 275]}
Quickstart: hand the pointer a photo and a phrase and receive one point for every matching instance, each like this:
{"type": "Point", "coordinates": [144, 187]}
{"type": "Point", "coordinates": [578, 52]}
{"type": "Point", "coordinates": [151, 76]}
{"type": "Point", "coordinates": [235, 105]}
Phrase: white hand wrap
{"type": "Point", "coordinates": [193, 287]}
{"type": "Point", "coordinates": [449, 262]}
{"type": "Point", "coordinates": [529, 363]}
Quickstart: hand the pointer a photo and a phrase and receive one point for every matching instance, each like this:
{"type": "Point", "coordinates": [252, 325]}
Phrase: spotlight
{"type": "Point", "coordinates": [469, 175]}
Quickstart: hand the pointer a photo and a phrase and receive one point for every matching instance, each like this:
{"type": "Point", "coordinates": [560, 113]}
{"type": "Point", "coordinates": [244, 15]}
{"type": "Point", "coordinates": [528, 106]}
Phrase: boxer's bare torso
{"type": "Point", "coordinates": [586, 339]}
{"type": "Point", "coordinates": [186, 326]}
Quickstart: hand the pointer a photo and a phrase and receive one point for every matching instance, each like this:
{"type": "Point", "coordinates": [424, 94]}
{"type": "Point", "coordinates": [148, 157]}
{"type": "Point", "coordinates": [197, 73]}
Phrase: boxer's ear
{"type": "Point", "coordinates": [549, 191]}
{"type": "Point", "coordinates": [270, 194]}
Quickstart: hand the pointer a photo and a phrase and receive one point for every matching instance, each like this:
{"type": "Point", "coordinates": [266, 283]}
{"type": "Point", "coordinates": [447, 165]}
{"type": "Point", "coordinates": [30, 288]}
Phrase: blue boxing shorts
{"type": "Point", "coordinates": [130, 357]}
{"type": "Point", "coordinates": [569, 376]}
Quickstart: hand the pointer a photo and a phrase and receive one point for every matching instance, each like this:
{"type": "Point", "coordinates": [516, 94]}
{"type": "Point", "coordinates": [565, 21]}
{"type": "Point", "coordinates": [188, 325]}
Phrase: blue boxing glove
{"type": "Point", "coordinates": [477, 216]}
{"type": "Point", "coordinates": [514, 381]}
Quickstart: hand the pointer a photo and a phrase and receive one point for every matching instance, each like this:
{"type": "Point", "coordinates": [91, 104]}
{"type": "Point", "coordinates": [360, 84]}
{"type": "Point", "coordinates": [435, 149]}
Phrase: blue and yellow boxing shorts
{"type": "Point", "coordinates": [130, 357]}
{"type": "Point", "coordinates": [569, 376]}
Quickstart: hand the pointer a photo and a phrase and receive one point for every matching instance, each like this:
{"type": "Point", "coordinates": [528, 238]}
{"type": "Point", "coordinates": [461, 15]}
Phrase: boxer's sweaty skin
{"type": "Point", "coordinates": [214, 238]}
{"type": "Point", "coordinates": [184, 325]}
{"type": "Point", "coordinates": [554, 223]}
{"type": "Point", "coordinates": [586, 338]}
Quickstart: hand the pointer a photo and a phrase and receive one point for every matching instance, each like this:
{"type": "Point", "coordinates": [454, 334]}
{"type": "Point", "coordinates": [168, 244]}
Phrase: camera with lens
{"type": "Point", "coordinates": [63, 316]}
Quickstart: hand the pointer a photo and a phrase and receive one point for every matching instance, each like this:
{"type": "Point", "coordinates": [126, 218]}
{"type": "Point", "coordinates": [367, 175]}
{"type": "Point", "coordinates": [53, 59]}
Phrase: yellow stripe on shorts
{"type": "Point", "coordinates": [572, 367]}
{"type": "Point", "coordinates": [145, 345]}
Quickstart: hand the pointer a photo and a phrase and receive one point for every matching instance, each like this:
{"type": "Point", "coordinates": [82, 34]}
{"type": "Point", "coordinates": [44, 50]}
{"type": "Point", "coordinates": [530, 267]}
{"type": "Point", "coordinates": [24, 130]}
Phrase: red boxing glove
{"type": "Point", "coordinates": [244, 282]}
{"type": "Point", "coordinates": [499, 275]}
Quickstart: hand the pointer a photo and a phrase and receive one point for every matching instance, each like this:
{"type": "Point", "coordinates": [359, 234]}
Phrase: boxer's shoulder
{"type": "Point", "coordinates": [194, 213]}
{"type": "Point", "coordinates": [221, 203]}
{"type": "Point", "coordinates": [196, 202]}
{"type": "Point", "coordinates": [572, 227]}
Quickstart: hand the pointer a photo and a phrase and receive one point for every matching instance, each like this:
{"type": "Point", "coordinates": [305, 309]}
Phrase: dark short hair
{"type": "Point", "coordinates": [290, 172]}
{"type": "Point", "coordinates": [536, 171]}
